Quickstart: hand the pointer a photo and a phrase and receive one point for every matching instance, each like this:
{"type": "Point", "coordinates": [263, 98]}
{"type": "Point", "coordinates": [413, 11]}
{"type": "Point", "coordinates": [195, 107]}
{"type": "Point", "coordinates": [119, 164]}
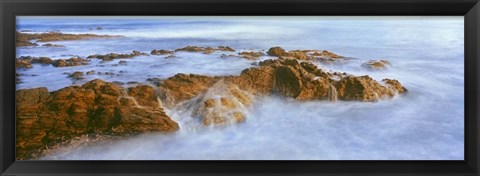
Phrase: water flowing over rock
{"type": "Point", "coordinates": [222, 104]}
{"type": "Point", "coordinates": [252, 55]}
{"type": "Point", "coordinates": [205, 50]}
{"type": "Point", "coordinates": [97, 107]}
{"type": "Point", "coordinates": [376, 64]}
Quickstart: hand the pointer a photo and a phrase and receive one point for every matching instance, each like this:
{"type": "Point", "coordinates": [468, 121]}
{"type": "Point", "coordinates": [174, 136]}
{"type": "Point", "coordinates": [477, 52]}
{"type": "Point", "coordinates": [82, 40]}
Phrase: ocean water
{"type": "Point", "coordinates": [426, 56]}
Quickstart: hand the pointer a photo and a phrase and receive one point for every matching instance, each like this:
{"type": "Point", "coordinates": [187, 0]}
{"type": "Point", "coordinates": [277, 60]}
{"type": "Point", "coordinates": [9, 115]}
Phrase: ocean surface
{"type": "Point", "coordinates": [426, 56]}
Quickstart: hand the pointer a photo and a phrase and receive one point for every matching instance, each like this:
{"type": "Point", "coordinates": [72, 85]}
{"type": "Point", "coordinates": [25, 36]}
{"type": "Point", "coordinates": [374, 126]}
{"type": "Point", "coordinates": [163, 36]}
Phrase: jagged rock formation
{"type": "Point", "coordinates": [46, 118]}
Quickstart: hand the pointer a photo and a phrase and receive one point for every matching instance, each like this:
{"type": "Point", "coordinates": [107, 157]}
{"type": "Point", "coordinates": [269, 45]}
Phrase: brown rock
{"type": "Point", "coordinates": [42, 60]}
{"type": "Point", "coordinates": [251, 55]}
{"type": "Point", "coordinates": [48, 118]}
{"type": "Point", "coordinates": [111, 56]}
{"type": "Point", "coordinates": [22, 38]}
{"type": "Point", "coordinates": [183, 87]}
{"type": "Point", "coordinates": [74, 61]}
{"type": "Point", "coordinates": [376, 64]}
{"type": "Point", "coordinates": [76, 75]}
{"type": "Point", "coordinates": [220, 106]}
{"type": "Point", "coordinates": [23, 63]}
{"type": "Point", "coordinates": [160, 52]}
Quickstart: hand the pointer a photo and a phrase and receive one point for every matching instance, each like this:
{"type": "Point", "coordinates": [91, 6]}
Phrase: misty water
{"type": "Point", "coordinates": [426, 56]}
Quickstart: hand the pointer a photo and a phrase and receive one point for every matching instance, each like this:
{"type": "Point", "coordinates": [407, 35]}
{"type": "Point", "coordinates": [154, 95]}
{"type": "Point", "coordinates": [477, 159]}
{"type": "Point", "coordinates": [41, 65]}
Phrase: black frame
{"type": "Point", "coordinates": [470, 9]}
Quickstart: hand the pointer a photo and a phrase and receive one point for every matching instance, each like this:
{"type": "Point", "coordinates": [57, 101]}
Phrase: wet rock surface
{"type": "Point", "coordinates": [112, 56]}
{"type": "Point", "coordinates": [205, 50]}
{"type": "Point", "coordinates": [376, 64]}
{"type": "Point", "coordinates": [23, 39]}
{"type": "Point", "coordinates": [252, 55]}
{"type": "Point", "coordinates": [46, 118]}
{"type": "Point", "coordinates": [74, 61]}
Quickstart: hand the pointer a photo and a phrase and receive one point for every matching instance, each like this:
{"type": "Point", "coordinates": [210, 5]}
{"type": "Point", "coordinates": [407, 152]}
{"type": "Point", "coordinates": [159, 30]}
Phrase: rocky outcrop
{"type": "Point", "coordinates": [376, 64]}
{"type": "Point", "coordinates": [251, 55]}
{"type": "Point", "coordinates": [23, 63]}
{"type": "Point", "coordinates": [97, 107]}
{"type": "Point", "coordinates": [76, 75]}
{"type": "Point", "coordinates": [42, 60]}
{"type": "Point", "coordinates": [222, 104]}
{"type": "Point", "coordinates": [111, 56]}
{"type": "Point", "coordinates": [23, 39]}
{"type": "Point", "coordinates": [161, 52]}
{"type": "Point", "coordinates": [205, 50]}
{"type": "Point", "coordinates": [183, 87]}
{"type": "Point", "coordinates": [294, 54]}
{"type": "Point", "coordinates": [288, 78]}
{"type": "Point", "coordinates": [74, 61]}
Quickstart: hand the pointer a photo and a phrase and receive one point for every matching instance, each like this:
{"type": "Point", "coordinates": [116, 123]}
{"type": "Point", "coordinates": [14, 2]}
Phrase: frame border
{"type": "Point", "coordinates": [470, 9]}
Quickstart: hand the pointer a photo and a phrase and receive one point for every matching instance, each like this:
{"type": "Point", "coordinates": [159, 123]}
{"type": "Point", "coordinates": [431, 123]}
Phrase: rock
{"type": "Point", "coordinates": [227, 55]}
{"type": "Point", "coordinates": [52, 45]}
{"type": "Point", "coordinates": [205, 50]}
{"type": "Point", "coordinates": [191, 49]}
{"type": "Point", "coordinates": [327, 54]}
{"type": "Point", "coordinates": [376, 64]}
{"type": "Point", "coordinates": [280, 52]}
{"type": "Point", "coordinates": [99, 28]}
{"type": "Point", "coordinates": [23, 62]}
{"type": "Point", "coordinates": [42, 60]}
{"type": "Point", "coordinates": [97, 107]}
{"type": "Point", "coordinates": [226, 48]}
{"type": "Point", "coordinates": [22, 38]}
{"type": "Point", "coordinates": [111, 56]}
{"type": "Point", "coordinates": [183, 87]}
{"type": "Point", "coordinates": [222, 104]}
{"type": "Point", "coordinates": [277, 51]}
{"type": "Point", "coordinates": [395, 85]}
{"type": "Point", "coordinates": [122, 62]}
{"type": "Point", "coordinates": [170, 56]}
{"type": "Point", "coordinates": [91, 72]}
{"type": "Point", "coordinates": [74, 61]}
{"type": "Point", "coordinates": [160, 52]}
{"type": "Point", "coordinates": [76, 75]}
{"type": "Point", "coordinates": [251, 55]}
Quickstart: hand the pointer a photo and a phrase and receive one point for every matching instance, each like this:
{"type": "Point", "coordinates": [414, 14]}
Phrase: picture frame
{"type": "Point", "coordinates": [470, 9]}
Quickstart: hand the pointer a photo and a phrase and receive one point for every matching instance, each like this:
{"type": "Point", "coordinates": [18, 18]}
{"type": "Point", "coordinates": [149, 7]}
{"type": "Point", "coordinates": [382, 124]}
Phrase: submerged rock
{"type": "Point", "coordinates": [376, 64]}
{"type": "Point", "coordinates": [205, 50]}
{"type": "Point", "coordinates": [111, 56]}
{"type": "Point", "coordinates": [52, 45]}
{"type": "Point", "coordinates": [160, 52]}
{"type": "Point", "coordinates": [97, 107]}
{"type": "Point", "coordinates": [76, 75]}
{"type": "Point", "coordinates": [251, 55]}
